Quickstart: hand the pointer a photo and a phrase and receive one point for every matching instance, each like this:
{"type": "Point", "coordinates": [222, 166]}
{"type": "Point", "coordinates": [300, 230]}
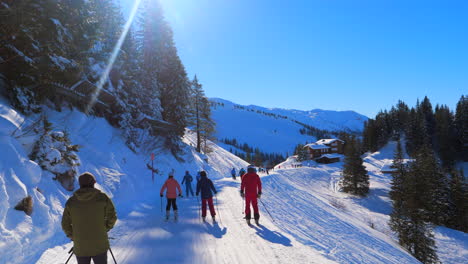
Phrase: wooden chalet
{"type": "Point", "coordinates": [328, 158]}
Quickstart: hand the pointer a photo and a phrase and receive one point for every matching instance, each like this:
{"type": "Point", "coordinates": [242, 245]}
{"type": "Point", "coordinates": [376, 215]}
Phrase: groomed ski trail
{"type": "Point", "coordinates": [144, 237]}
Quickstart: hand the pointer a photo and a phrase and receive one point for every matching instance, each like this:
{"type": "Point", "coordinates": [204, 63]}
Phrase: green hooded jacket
{"type": "Point", "coordinates": [89, 214]}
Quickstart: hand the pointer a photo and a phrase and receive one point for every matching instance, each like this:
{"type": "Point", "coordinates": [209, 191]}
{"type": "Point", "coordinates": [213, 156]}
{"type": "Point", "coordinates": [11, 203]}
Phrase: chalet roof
{"type": "Point", "coordinates": [328, 141]}
{"type": "Point", "coordinates": [331, 156]}
{"type": "Point", "coordinates": [316, 146]}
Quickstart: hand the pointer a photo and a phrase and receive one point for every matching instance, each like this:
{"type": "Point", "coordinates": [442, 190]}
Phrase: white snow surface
{"type": "Point", "coordinates": [311, 221]}
{"type": "Point", "coordinates": [277, 135]}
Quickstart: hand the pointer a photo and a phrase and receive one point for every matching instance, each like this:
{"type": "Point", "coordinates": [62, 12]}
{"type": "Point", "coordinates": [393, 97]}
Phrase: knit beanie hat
{"type": "Point", "coordinates": [86, 180]}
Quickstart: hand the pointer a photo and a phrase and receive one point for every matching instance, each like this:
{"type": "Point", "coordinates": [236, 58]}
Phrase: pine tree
{"type": "Point", "coordinates": [432, 186]}
{"type": "Point", "coordinates": [163, 71]}
{"type": "Point", "coordinates": [200, 114]}
{"type": "Point", "coordinates": [415, 132]}
{"type": "Point", "coordinates": [461, 127]}
{"type": "Point", "coordinates": [458, 202]}
{"type": "Point", "coordinates": [399, 220]}
{"type": "Point", "coordinates": [398, 175]}
{"type": "Point", "coordinates": [445, 136]}
{"type": "Point", "coordinates": [355, 177]}
{"type": "Point", "coordinates": [410, 214]}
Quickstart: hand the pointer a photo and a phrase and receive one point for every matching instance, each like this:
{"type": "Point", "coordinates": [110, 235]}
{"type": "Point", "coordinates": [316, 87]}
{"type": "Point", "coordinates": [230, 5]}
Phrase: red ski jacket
{"type": "Point", "coordinates": [172, 186]}
{"type": "Point", "coordinates": [251, 184]}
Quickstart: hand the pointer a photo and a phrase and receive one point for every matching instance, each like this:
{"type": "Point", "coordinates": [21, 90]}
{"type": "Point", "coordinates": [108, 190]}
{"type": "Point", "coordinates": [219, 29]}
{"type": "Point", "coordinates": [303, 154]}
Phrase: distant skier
{"type": "Point", "coordinates": [206, 187]}
{"type": "Point", "coordinates": [198, 176]}
{"type": "Point", "coordinates": [89, 214]}
{"type": "Point", "coordinates": [251, 189]}
{"type": "Point", "coordinates": [188, 183]}
{"type": "Point", "coordinates": [233, 173]}
{"type": "Point", "coordinates": [241, 172]}
{"type": "Point", "coordinates": [172, 186]}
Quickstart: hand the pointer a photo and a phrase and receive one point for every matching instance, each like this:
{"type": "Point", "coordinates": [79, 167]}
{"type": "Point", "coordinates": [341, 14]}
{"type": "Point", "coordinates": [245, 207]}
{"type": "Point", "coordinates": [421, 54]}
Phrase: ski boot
{"type": "Point", "coordinates": [168, 213]}
{"type": "Point", "coordinates": [214, 219]}
{"type": "Point", "coordinates": [248, 221]}
{"type": "Point", "coordinates": [204, 219]}
{"type": "Point", "coordinates": [256, 222]}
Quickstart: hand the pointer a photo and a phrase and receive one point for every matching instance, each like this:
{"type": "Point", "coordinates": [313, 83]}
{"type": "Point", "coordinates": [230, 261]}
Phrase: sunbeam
{"type": "Point", "coordinates": [115, 52]}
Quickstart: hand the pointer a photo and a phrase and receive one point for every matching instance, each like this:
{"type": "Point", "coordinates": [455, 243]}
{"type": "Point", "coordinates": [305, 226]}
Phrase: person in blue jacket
{"type": "Point", "coordinates": [241, 172]}
{"type": "Point", "coordinates": [188, 183]}
{"type": "Point", "coordinates": [206, 188]}
{"type": "Point", "coordinates": [233, 173]}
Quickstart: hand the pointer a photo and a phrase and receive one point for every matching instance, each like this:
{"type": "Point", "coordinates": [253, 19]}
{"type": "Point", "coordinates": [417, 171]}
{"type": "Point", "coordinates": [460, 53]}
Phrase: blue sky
{"type": "Point", "coordinates": [360, 55]}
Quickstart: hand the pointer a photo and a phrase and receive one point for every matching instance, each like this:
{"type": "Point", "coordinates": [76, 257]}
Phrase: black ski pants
{"type": "Point", "coordinates": [171, 202]}
{"type": "Point", "coordinates": [98, 259]}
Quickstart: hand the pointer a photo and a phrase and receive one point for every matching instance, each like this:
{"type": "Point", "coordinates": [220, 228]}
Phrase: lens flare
{"type": "Point", "coordinates": [112, 58]}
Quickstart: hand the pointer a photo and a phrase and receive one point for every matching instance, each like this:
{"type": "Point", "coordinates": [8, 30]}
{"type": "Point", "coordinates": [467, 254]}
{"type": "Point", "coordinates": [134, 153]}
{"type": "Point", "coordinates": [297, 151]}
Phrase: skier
{"type": "Point", "coordinates": [172, 186]}
{"type": "Point", "coordinates": [198, 176]}
{"type": "Point", "coordinates": [206, 188]}
{"type": "Point", "coordinates": [88, 215]}
{"type": "Point", "coordinates": [188, 183]}
{"type": "Point", "coordinates": [233, 173]}
{"type": "Point", "coordinates": [241, 172]}
{"type": "Point", "coordinates": [251, 189]}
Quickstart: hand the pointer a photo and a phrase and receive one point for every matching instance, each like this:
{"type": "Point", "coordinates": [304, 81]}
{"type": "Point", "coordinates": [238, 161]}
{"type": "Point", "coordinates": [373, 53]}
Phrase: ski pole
{"type": "Point", "coordinates": [160, 198]}
{"type": "Point", "coordinates": [199, 208]}
{"type": "Point", "coordinates": [112, 254]}
{"type": "Point", "coordinates": [71, 254]}
{"type": "Point", "coordinates": [217, 209]}
{"type": "Point", "coordinates": [267, 210]}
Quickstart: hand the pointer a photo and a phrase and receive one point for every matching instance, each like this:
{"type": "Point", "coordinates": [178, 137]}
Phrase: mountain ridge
{"type": "Point", "coordinates": [258, 126]}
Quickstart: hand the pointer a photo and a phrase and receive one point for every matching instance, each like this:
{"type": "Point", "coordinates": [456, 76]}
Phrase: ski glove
{"type": "Point", "coordinates": [180, 195]}
{"type": "Point", "coordinates": [162, 195]}
{"type": "Point", "coordinates": [242, 194]}
{"type": "Point", "coordinates": [258, 195]}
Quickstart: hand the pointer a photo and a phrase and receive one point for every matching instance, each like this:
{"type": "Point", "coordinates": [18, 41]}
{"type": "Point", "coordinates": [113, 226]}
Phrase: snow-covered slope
{"type": "Point", "coordinates": [312, 222]}
{"type": "Point", "coordinates": [273, 132]}
{"type": "Point", "coordinates": [120, 173]}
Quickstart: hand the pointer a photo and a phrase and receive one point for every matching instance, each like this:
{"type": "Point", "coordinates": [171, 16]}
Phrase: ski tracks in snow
{"type": "Point", "coordinates": [144, 237]}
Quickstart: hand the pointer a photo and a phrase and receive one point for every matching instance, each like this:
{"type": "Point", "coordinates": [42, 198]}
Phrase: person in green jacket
{"type": "Point", "coordinates": [89, 214]}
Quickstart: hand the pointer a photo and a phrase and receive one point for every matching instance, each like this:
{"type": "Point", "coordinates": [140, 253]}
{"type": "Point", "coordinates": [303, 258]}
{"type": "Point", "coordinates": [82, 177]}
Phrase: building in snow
{"type": "Point", "coordinates": [336, 145]}
{"type": "Point", "coordinates": [328, 158]}
{"type": "Point", "coordinates": [325, 146]}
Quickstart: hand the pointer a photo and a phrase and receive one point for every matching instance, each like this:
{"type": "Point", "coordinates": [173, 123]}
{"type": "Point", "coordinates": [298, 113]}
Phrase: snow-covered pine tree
{"type": "Point", "coordinates": [200, 114]}
{"type": "Point", "coordinates": [164, 75]}
{"type": "Point", "coordinates": [355, 178]}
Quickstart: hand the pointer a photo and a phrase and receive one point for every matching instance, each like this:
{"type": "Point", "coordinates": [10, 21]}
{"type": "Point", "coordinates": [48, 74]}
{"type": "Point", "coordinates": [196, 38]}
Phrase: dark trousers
{"type": "Point", "coordinates": [171, 202]}
{"type": "Point", "coordinates": [98, 259]}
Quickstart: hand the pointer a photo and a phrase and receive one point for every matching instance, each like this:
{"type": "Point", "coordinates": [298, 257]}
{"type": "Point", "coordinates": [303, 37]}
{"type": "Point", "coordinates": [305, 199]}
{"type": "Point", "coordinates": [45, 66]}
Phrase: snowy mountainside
{"type": "Point", "coordinates": [119, 172]}
{"type": "Point", "coordinates": [275, 130]}
{"type": "Point", "coordinates": [312, 222]}
{"type": "Point", "coordinates": [338, 223]}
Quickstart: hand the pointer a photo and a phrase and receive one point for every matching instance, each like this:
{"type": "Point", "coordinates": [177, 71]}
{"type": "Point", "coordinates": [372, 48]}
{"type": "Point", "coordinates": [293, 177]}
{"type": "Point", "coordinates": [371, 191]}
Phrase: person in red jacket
{"type": "Point", "coordinates": [251, 189]}
{"type": "Point", "coordinates": [172, 186]}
